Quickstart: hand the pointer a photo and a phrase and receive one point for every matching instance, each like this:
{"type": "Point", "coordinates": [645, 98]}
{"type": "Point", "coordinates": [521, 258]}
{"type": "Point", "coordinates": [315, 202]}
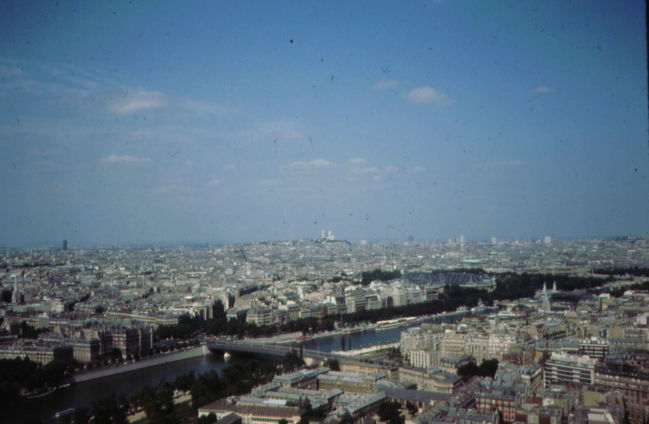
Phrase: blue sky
{"type": "Point", "coordinates": [228, 121]}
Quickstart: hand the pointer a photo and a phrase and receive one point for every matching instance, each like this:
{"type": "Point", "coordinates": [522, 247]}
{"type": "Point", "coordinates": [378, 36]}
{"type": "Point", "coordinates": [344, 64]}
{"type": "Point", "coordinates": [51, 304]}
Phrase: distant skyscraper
{"type": "Point", "coordinates": [65, 245]}
{"type": "Point", "coordinates": [547, 240]}
{"type": "Point", "coordinates": [494, 240]}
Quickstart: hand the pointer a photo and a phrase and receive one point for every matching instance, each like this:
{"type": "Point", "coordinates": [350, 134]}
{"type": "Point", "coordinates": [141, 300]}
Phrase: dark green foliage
{"type": "Point", "coordinates": [292, 361]}
{"type": "Point", "coordinates": [515, 286]}
{"type": "Point", "coordinates": [81, 416]}
{"type": "Point", "coordinates": [332, 364]}
{"type": "Point", "coordinates": [476, 270]}
{"type": "Point", "coordinates": [116, 354]}
{"type": "Point", "coordinates": [310, 414]}
{"type": "Point", "coordinates": [26, 331]}
{"type": "Point", "coordinates": [368, 276]}
{"type": "Point", "coordinates": [5, 296]}
{"type": "Point", "coordinates": [390, 412]}
{"type": "Point", "coordinates": [178, 331]}
{"type": "Point", "coordinates": [465, 296]}
{"type": "Point", "coordinates": [185, 328]}
{"type": "Point", "coordinates": [634, 270]}
{"type": "Point", "coordinates": [185, 382]}
{"type": "Point", "coordinates": [110, 410]}
{"type": "Point", "coordinates": [237, 378]}
{"type": "Point", "coordinates": [619, 291]}
{"type": "Point", "coordinates": [245, 329]}
{"type": "Point", "coordinates": [487, 368]}
{"type": "Point", "coordinates": [157, 403]}
{"type": "Point", "coordinates": [252, 289]}
{"type": "Point", "coordinates": [347, 419]}
{"type": "Point", "coordinates": [207, 419]}
{"type": "Point", "coordinates": [18, 376]}
{"type": "Point", "coordinates": [412, 408]}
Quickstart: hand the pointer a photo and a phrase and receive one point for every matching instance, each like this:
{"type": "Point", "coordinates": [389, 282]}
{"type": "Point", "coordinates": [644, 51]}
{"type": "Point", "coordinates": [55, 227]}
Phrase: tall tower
{"type": "Point", "coordinates": [546, 299]}
{"type": "Point", "coordinates": [15, 296]}
{"type": "Point", "coordinates": [65, 245]}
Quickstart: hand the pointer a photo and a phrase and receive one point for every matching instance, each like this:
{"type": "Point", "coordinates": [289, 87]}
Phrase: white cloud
{"type": "Point", "coordinates": [319, 176]}
{"type": "Point", "coordinates": [9, 71]}
{"type": "Point", "coordinates": [428, 94]}
{"type": "Point", "coordinates": [360, 166]}
{"type": "Point", "coordinates": [214, 182]}
{"type": "Point", "coordinates": [542, 89]}
{"type": "Point", "coordinates": [310, 165]}
{"type": "Point", "coordinates": [71, 74]}
{"type": "Point", "coordinates": [280, 131]}
{"type": "Point", "coordinates": [353, 167]}
{"type": "Point", "coordinates": [123, 159]}
{"type": "Point", "coordinates": [32, 87]}
{"type": "Point", "coordinates": [174, 189]}
{"type": "Point", "coordinates": [383, 84]}
{"type": "Point", "coordinates": [356, 161]}
{"type": "Point", "coordinates": [140, 135]}
{"type": "Point", "coordinates": [287, 133]}
{"type": "Point", "coordinates": [416, 170]}
{"type": "Point", "coordinates": [137, 101]}
{"type": "Point", "coordinates": [199, 107]}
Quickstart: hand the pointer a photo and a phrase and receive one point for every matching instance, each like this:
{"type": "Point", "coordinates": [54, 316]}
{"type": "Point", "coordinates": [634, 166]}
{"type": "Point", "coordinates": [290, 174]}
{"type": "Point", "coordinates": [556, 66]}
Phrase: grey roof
{"type": "Point", "coordinates": [416, 395]}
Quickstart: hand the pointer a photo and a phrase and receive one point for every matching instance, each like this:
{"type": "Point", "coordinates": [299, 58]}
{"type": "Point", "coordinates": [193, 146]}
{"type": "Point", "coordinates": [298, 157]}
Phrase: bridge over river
{"type": "Point", "coordinates": [277, 350]}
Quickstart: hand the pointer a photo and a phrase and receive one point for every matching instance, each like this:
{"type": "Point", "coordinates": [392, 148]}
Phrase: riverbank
{"type": "Point", "coordinates": [365, 350]}
{"type": "Point", "coordinates": [126, 367]}
{"type": "Point", "coordinates": [140, 415]}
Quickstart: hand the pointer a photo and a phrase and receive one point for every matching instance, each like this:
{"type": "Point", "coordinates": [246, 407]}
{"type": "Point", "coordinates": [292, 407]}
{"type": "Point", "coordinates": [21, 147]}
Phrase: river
{"type": "Point", "coordinates": [127, 384]}
{"type": "Point", "coordinates": [83, 394]}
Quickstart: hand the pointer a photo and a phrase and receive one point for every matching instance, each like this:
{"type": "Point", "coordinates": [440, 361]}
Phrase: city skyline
{"type": "Point", "coordinates": [126, 123]}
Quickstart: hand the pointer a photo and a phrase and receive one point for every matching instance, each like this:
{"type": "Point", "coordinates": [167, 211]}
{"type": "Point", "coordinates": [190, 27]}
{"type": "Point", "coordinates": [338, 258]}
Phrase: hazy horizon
{"type": "Point", "coordinates": [129, 123]}
{"type": "Point", "coordinates": [76, 245]}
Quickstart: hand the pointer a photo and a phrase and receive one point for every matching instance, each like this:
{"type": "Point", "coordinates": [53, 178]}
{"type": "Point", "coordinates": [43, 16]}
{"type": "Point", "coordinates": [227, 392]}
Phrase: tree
{"type": "Point", "coordinates": [347, 419]}
{"type": "Point", "coordinates": [309, 413]}
{"type": "Point", "coordinates": [368, 276]}
{"type": "Point", "coordinates": [292, 361]}
{"type": "Point", "coordinates": [412, 408]}
{"type": "Point", "coordinates": [218, 310]}
{"type": "Point", "coordinates": [468, 370]}
{"type": "Point", "coordinates": [185, 382]}
{"type": "Point", "coordinates": [332, 364]}
{"type": "Point", "coordinates": [487, 368]}
{"type": "Point", "coordinates": [81, 416]}
{"type": "Point", "coordinates": [207, 419]}
{"type": "Point", "coordinates": [110, 410]}
{"type": "Point", "coordinates": [158, 403]}
{"type": "Point", "coordinates": [390, 413]}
